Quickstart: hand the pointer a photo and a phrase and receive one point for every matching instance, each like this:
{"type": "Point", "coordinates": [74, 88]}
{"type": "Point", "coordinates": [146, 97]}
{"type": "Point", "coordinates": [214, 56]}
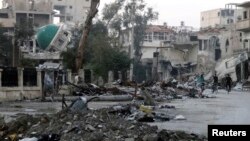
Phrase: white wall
{"type": "Point", "coordinates": [78, 10]}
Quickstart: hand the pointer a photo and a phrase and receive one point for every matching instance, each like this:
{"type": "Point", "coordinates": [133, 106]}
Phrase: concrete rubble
{"type": "Point", "coordinates": [88, 125]}
{"type": "Point", "coordinates": [122, 122]}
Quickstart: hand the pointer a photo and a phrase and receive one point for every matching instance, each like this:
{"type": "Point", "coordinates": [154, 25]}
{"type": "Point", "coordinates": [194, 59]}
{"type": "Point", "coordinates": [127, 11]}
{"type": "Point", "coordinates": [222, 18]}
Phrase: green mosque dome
{"type": "Point", "coordinates": [45, 35]}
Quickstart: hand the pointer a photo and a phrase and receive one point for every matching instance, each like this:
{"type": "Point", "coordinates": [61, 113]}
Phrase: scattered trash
{"type": "Point", "coordinates": [166, 106]}
{"type": "Point", "coordinates": [180, 117]}
{"type": "Point", "coordinates": [29, 139]}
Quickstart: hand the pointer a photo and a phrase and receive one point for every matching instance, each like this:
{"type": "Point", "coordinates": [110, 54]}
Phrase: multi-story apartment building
{"type": "Point", "coordinates": [71, 10]}
{"type": "Point", "coordinates": [222, 44]}
{"type": "Point", "coordinates": [15, 11]}
{"type": "Point", "coordinates": [220, 17]}
{"type": "Point", "coordinates": [243, 25]}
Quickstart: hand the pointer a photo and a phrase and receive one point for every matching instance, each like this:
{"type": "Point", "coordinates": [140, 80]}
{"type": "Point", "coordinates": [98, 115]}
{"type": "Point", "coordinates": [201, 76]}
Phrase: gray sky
{"type": "Point", "coordinates": [175, 11]}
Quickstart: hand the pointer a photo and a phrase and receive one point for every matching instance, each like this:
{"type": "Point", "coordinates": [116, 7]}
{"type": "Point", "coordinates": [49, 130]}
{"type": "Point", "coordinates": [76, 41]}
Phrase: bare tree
{"type": "Point", "coordinates": [92, 12]}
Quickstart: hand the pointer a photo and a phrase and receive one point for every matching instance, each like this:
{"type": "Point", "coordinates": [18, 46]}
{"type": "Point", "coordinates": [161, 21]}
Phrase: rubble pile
{"type": "Point", "coordinates": [160, 91]}
{"type": "Point", "coordinates": [96, 125]}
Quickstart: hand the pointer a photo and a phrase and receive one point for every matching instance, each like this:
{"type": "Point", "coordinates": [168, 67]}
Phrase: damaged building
{"type": "Point", "coordinates": [38, 11]}
{"type": "Point", "coordinates": [222, 47]}
{"type": "Point", "coordinates": [167, 51]}
{"type": "Point", "coordinates": [71, 10]}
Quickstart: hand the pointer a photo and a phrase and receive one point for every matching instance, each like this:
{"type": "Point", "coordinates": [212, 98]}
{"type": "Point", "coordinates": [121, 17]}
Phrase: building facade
{"type": "Point", "coordinates": [167, 51]}
{"type": "Point", "coordinates": [223, 47]}
{"type": "Point", "coordinates": [39, 12]}
{"type": "Point", "coordinates": [220, 17]}
{"type": "Point", "coordinates": [71, 10]}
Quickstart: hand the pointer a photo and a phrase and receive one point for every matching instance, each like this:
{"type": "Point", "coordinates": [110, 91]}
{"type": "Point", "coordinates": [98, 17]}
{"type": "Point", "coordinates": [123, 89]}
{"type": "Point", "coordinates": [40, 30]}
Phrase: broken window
{"type": "Point", "coordinates": [60, 42]}
{"type": "Point", "coordinates": [10, 77]}
{"type": "Point", "coordinates": [217, 54]}
{"type": "Point", "coordinates": [245, 15]}
{"type": "Point", "coordinates": [29, 77]}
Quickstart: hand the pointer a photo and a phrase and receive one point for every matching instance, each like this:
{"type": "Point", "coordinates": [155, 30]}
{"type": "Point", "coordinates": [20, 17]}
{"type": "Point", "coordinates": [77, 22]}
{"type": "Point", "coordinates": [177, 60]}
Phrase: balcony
{"type": "Point", "coordinates": [243, 25]}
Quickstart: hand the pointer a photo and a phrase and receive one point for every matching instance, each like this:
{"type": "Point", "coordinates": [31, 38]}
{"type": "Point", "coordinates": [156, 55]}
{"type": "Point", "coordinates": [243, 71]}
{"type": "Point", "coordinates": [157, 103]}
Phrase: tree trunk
{"type": "Point", "coordinates": [93, 11]}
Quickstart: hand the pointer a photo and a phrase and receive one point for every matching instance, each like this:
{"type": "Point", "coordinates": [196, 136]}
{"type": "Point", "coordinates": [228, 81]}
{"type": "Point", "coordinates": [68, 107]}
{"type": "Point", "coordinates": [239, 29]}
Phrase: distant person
{"type": "Point", "coordinates": [228, 83]}
{"type": "Point", "coordinates": [201, 83]}
{"type": "Point", "coordinates": [215, 82]}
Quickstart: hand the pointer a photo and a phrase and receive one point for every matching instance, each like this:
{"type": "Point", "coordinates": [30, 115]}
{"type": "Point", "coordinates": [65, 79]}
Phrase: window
{"type": "Point", "coordinates": [70, 7]}
{"type": "Point", "coordinates": [245, 15]}
{"type": "Point", "coordinates": [245, 45]}
{"type": "Point", "coordinates": [87, 0]}
{"type": "Point", "coordinates": [202, 18]}
{"type": "Point", "coordinates": [60, 42]}
{"type": "Point", "coordinates": [205, 45]}
{"type": "Point", "coordinates": [240, 37]}
{"type": "Point", "coordinates": [200, 45]}
{"type": "Point", "coordinates": [166, 36]}
{"type": "Point", "coordinates": [161, 36]}
{"type": "Point", "coordinates": [227, 45]}
{"type": "Point", "coordinates": [156, 36]}
{"type": "Point", "coordinates": [218, 14]}
{"type": "Point", "coordinates": [148, 37]}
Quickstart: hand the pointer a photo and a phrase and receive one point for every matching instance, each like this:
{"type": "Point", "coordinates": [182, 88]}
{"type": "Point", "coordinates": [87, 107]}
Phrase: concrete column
{"type": "Point", "coordinates": [39, 77]}
{"type": "Point", "coordinates": [92, 76]}
{"type": "Point", "coordinates": [1, 77]}
{"type": "Point", "coordinates": [20, 77]}
{"type": "Point", "coordinates": [120, 75]}
{"type": "Point", "coordinates": [82, 74]}
{"type": "Point", "coordinates": [39, 82]}
{"type": "Point", "coordinates": [110, 77]}
{"type": "Point", "coordinates": [69, 75]}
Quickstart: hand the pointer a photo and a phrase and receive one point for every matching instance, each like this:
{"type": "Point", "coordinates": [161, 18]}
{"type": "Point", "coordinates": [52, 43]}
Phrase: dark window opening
{"type": "Point", "coordinates": [10, 77]}
{"type": "Point", "coordinates": [217, 54]}
{"type": "Point", "coordinates": [227, 45]}
{"type": "Point", "coordinates": [200, 45]}
{"type": "Point", "coordinates": [245, 15]}
{"type": "Point", "coordinates": [87, 76]}
{"type": "Point", "coordinates": [29, 77]}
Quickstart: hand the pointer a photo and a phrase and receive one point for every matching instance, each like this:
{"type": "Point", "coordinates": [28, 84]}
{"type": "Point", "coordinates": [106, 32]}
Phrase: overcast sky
{"type": "Point", "coordinates": [175, 11]}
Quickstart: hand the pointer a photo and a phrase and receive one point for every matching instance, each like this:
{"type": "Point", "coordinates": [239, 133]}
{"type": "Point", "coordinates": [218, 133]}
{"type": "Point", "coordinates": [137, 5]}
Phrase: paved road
{"type": "Point", "coordinates": [226, 108]}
